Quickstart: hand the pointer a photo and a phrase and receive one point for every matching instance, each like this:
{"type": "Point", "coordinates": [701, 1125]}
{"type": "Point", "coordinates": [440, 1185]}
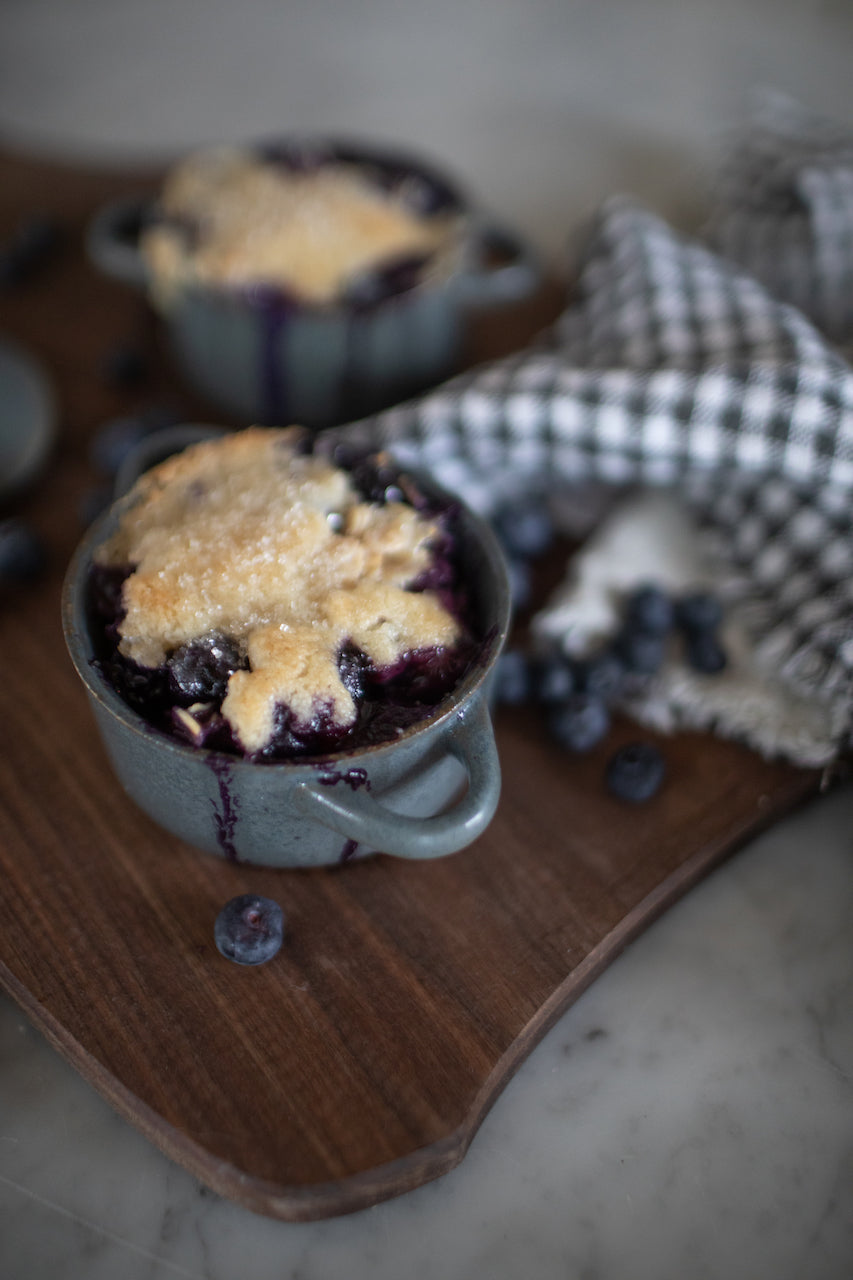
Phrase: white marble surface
{"type": "Point", "coordinates": [691, 1116]}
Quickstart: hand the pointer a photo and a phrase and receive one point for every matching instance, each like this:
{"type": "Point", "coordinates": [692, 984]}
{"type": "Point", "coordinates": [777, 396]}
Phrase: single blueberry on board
{"type": "Point", "coordinates": [249, 929]}
{"type": "Point", "coordinates": [554, 679]}
{"type": "Point", "coordinates": [22, 553]}
{"type": "Point", "coordinates": [601, 674]}
{"type": "Point", "coordinates": [699, 611]}
{"type": "Point", "coordinates": [579, 723]}
{"type": "Point", "coordinates": [641, 651]}
{"type": "Point", "coordinates": [705, 653]}
{"type": "Point", "coordinates": [512, 681]}
{"type": "Point", "coordinates": [649, 608]}
{"type": "Point", "coordinates": [635, 772]}
{"type": "Point", "coordinates": [524, 528]}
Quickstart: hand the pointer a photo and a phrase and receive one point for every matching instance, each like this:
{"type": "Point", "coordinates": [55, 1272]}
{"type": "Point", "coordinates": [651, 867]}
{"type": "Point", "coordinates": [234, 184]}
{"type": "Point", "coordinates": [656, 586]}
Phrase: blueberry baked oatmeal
{"type": "Point", "coordinates": [260, 597]}
{"type": "Point", "coordinates": [318, 226]}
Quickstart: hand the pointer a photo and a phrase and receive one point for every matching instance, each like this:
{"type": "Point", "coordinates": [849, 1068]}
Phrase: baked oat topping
{"type": "Point", "coordinates": [309, 232]}
{"type": "Point", "coordinates": [246, 537]}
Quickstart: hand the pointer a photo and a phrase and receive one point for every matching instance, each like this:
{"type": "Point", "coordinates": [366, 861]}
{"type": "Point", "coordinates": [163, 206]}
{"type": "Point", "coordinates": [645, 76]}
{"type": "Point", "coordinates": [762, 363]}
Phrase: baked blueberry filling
{"type": "Point", "coordinates": [184, 694]}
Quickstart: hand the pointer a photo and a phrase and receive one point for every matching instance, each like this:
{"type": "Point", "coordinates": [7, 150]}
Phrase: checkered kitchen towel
{"type": "Point", "coordinates": [784, 210]}
{"type": "Point", "coordinates": [672, 366]}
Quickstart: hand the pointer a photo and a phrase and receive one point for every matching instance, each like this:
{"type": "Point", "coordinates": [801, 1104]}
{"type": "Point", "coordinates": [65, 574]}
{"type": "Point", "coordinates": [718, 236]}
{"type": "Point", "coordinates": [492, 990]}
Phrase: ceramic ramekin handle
{"type": "Point", "coordinates": [112, 240]}
{"type": "Point", "coordinates": [358, 816]}
{"type": "Point", "coordinates": [515, 274]}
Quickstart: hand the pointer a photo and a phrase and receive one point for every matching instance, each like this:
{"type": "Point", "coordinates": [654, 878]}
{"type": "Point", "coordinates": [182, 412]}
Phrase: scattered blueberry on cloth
{"type": "Point", "coordinates": [674, 375]}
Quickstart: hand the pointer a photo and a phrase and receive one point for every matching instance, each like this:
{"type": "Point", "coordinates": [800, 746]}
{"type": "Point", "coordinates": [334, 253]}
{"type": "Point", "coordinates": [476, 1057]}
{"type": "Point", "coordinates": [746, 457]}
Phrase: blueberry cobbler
{"type": "Point", "coordinates": [318, 225]}
{"type": "Point", "coordinates": [260, 598]}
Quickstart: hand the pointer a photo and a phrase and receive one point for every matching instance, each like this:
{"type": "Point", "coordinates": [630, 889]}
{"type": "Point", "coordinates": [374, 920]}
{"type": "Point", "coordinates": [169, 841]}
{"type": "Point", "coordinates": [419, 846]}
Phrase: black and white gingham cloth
{"type": "Point", "coordinates": [672, 366]}
{"type": "Point", "coordinates": [784, 211]}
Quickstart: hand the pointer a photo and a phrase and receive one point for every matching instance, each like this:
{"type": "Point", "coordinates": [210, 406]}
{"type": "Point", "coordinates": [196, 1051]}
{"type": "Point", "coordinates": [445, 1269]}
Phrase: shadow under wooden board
{"type": "Point", "coordinates": [359, 1062]}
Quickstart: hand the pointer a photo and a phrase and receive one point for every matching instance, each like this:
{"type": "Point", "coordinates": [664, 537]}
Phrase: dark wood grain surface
{"type": "Point", "coordinates": [359, 1063]}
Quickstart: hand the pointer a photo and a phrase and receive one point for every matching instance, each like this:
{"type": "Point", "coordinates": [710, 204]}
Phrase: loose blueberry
{"type": "Point", "coordinates": [199, 670]}
{"type": "Point", "coordinates": [554, 679]}
{"type": "Point", "coordinates": [512, 681]}
{"type": "Point", "coordinates": [635, 772]}
{"type": "Point", "coordinates": [649, 608]}
{"type": "Point", "coordinates": [579, 723]}
{"type": "Point", "coordinates": [249, 929]}
{"type": "Point", "coordinates": [699, 611]}
{"type": "Point", "coordinates": [642, 652]}
{"type": "Point", "coordinates": [705, 653]}
{"type": "Point", "coordinates": [602, 674]}
{"type": "Point", "coordinates": [524, 528]}
{"type": "Point", "coordinates": [22, 553]}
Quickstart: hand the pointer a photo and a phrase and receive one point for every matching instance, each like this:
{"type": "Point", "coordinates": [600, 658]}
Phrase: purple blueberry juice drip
{"type": "Point", "coordinates": [224, 813]}
{"type": "Point", "coordinates": [274, 308]}
{"type": "Point", "coordinates": [183, 696]}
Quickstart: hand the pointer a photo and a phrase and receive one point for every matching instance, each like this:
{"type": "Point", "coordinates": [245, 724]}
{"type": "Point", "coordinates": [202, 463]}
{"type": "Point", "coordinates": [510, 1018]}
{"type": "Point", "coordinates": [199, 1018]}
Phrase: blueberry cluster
{"type": "Point", "coordinates": [577, 695]}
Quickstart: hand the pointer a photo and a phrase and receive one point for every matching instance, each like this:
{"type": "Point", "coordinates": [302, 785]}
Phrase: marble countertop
{"type": "Point", "coordinates": [692, 1114]}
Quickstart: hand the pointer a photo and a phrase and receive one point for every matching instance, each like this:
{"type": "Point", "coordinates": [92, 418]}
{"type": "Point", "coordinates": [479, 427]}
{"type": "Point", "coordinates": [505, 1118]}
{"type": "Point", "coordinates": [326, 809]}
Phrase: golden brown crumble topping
{"type": "Point", "coordinates": [309, 232]}
{"type": "Point", "coordinates": [246, 536]}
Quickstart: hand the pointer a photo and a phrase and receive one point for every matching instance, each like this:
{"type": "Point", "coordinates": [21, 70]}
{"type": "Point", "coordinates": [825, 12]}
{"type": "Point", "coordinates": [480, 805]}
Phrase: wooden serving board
{"type": "Point", "coordinates": [358, 1063]}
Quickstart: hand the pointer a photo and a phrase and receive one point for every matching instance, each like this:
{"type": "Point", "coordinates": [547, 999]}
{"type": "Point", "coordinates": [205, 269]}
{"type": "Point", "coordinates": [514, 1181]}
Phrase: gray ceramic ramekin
{"type": "Point", "coordinates": [265, 359]}
{"type": "Point", "coordinates": [428, 793]}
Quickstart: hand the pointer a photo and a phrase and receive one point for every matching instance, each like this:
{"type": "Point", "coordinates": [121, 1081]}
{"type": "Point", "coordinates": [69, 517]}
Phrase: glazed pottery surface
{"type": "Point", "coordinates": [429, 792]}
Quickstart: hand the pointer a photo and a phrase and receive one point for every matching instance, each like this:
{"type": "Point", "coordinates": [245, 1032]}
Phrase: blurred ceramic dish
{"type": "Point", "coordinates": [428, 792]}
{"type": "Point", "coordinates": [376, 315]}
{"type": "Point", "coordinates": [27, 419]}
